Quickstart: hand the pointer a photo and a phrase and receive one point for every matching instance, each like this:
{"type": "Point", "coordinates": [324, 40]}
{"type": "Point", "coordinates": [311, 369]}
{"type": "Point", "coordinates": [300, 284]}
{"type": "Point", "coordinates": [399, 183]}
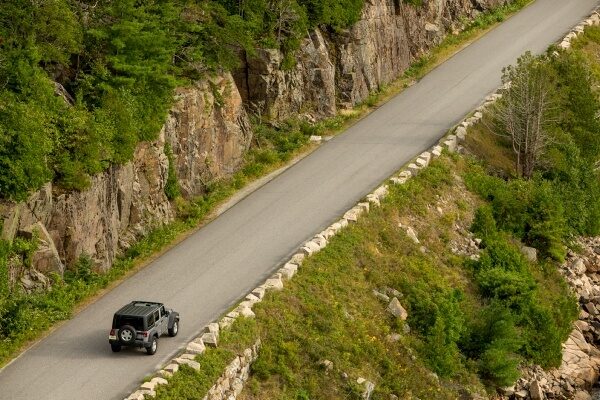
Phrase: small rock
{"type": "Point", "coordinates": [578, 266]}
{"type": "Point", "coordinates": [521, 394]}
{"type": "Point", "coordinates": [591, 308]}
{"type": "Point", "coordinates": [326, 364]}
{"type": "Point", "coordinates": [392, 338]}
{"type": "Point", "coordinates": [530, 253]}
{"type": "Point", "coordinates": [393, 292]}
{"type": "Point", "coordinates": [412, 235]}
{"type": "Point", "coordinates": [381, 296]}
{"type": "Point", "coordinates": [298, 258]}
{"type": "Point", "coordinates": [369, 387]}
{"type": "Point", "coordinates": [396, 309]}
{"type": "Point", "coordinates": [535, 391]}
{"type": "Point", "coordinates": [508, 391]}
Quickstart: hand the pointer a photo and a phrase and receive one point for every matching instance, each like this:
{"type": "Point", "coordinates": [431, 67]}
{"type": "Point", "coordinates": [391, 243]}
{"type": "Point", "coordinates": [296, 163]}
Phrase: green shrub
{"type": "Point", "coordinates": [484, 224]}
{"type": "Point", "coordinates": [499, 365]}
{"type": "Point", "coordinates": [494, 342]}
{"type": "Point", "coordinates": [82, 271]}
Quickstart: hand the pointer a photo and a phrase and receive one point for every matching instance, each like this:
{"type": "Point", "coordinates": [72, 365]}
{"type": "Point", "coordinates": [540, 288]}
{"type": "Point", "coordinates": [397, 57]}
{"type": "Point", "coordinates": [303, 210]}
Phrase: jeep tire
{"type": "Point", "coordinates": [174, 329]}
{"type": "Point", "coordinates": [152, 346]}
{"type": "Point", "coordinates": [115, 347]}
{"type": "Point", "coordinates": [127, 334]}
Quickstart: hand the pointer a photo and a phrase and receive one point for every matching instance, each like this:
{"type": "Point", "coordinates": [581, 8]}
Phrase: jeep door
{"type": "Point", "coordinates": [164, 321]}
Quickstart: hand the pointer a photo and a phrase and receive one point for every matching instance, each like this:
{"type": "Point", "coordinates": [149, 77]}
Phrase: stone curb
{"type": "Point", "coordinates": [231, 383]}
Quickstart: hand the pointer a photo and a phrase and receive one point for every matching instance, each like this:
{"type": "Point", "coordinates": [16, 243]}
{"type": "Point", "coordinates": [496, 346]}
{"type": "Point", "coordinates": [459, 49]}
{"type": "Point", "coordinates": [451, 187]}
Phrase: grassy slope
{"type": "Point", "coordinates": [328, 311]}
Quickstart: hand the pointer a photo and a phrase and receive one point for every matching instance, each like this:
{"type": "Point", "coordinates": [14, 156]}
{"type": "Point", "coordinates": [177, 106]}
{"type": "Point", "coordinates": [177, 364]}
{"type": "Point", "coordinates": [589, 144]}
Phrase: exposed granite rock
{"type": "Point", "coordinates": [209, 132]}
{"type": "Point", "coordinates": [267, 88]}
{"type": "Point", "coordinates": [340, 69]}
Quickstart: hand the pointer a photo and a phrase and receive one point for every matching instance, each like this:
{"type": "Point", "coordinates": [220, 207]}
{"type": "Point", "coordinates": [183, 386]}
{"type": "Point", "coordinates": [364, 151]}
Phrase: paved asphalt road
{"type": "Point", "coordinates": [209, 271]}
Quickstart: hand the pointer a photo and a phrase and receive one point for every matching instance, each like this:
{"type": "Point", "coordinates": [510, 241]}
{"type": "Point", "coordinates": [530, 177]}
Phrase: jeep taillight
{"type": "Point", "coordinates": [145, 333]}
{"type": "Point", "coordinates": [112, 332]}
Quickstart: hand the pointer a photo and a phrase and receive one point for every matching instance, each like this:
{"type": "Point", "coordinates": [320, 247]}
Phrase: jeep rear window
{"type": "Point", "coordinates": [136, 322]}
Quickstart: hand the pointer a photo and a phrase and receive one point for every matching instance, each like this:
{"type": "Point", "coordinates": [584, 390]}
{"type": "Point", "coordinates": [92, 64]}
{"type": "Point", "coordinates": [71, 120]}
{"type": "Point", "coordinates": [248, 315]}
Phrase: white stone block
{"type": "Point", "coordinates": [373, 199]}
{"type": "Point", "coordinates": [274, 283]}
{"type": "Point", "coordinates": [414, 169]}
{"type": "Point", "coordinates": [210, 339]}
{"type": "Point", "coordinates": [246, 312]}
{"type": "Point", "coordinates": [421, 163]}
{"type": "Point", "coordinates": [212, 327]}
{"type": "Point", "coordinates": [259, 292]}
{"type": "Point", "coordinates": [196, 347]}
{"type": "Point", "coordinates": [172, 368]}
{"type": "Point", "coordinates": [190, 363]}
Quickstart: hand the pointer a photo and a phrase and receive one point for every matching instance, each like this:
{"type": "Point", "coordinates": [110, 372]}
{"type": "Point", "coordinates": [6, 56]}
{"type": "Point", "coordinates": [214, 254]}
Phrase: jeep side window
{"type": "Point", "coordinates": [162, 311]}
{"type": "Point", "coordinates": [156, 315]}
{"type": "Point", "coordinates": [151, 320]}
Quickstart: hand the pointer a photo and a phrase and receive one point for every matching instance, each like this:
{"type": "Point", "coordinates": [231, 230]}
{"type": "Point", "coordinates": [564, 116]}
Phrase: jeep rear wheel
{"type": "Point", "coordinates": [151, 349]}
{"type": "Point", "coordinates": [174, 329]}
{"type": "Point", "coordinates": [115, 347]}
{"type": "Point", "coordinates": [127, 334]}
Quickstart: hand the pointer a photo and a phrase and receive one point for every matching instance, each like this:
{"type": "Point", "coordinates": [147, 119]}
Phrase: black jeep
{"type": "Point", "coordinates": [140, 324]}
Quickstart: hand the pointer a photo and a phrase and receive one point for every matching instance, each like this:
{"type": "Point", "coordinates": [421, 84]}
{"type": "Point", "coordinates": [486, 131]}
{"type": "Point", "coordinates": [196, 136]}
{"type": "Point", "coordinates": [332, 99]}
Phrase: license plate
{"type": "Point", "coordinates": [112, 337]}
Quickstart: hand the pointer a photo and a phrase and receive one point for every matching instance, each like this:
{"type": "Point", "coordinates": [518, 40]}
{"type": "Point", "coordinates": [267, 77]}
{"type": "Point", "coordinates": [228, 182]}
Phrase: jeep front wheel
{"type": "Point", "coordinates": [151, 349]}
{"type": "Point", "coordinates": [174, 329]}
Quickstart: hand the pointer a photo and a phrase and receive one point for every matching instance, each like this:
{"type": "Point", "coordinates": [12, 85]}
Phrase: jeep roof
{"type": "Point", "coordinates": [138, 308]}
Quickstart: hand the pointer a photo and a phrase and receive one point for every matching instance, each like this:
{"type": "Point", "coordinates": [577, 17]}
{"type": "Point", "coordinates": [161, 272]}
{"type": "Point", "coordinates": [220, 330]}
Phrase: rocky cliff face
{"type": "Point", "coordinates": [339, 69]}
{"type": "Point", "coordinates": [209, 132]}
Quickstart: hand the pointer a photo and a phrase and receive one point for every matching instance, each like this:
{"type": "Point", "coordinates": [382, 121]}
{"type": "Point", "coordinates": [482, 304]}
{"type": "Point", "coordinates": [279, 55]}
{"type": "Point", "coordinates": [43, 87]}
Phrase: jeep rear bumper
{"type": "Point", "coordinates": [136, 343]}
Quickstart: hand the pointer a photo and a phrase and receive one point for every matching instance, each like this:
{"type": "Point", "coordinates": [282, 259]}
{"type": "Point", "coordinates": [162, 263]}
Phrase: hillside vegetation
{"type": "Point", "coordinates": [477, 310]}
{"type": "Point", "coordinates": [82, 82]}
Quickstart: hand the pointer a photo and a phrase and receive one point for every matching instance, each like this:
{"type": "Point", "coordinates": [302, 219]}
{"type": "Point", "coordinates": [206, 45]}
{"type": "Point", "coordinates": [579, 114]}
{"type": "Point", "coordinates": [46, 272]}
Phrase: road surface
{"type": "Point", "coordinates": [209, 271]}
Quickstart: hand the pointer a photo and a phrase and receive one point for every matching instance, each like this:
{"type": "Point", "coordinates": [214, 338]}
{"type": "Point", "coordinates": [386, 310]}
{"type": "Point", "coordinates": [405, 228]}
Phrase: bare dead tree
{"type": "Point", "coordinates": [526, 111]}
{"type": "Point", "coordinates": [287, 16]}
